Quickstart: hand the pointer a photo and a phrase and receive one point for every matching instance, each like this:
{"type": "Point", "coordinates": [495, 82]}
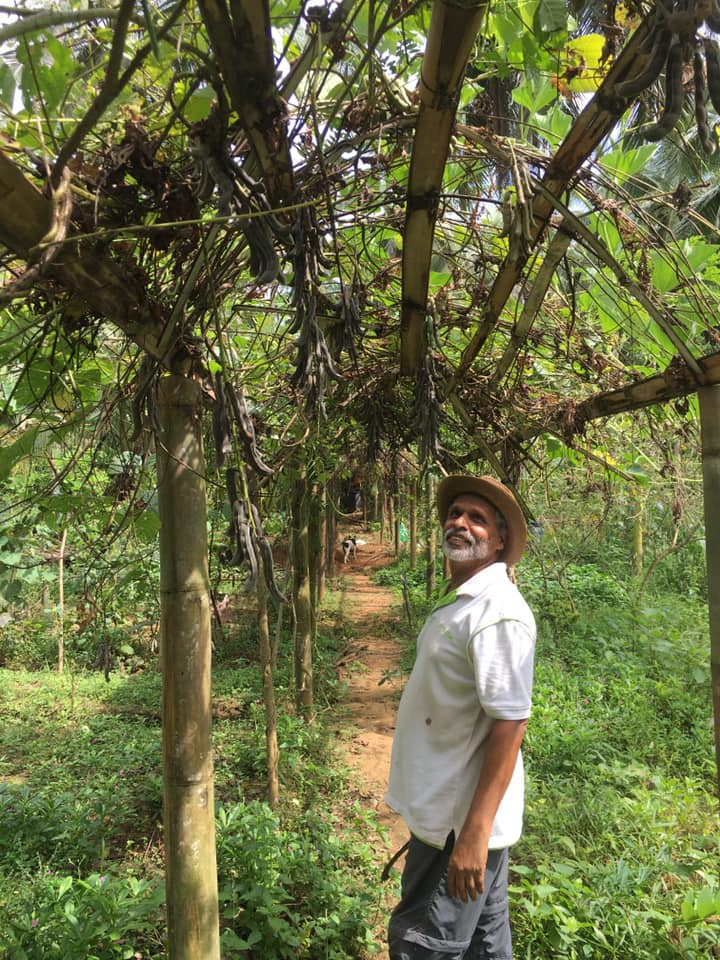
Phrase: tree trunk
{"type": "Point", "coordinates": [301, 597]}
{"type": "Point", "coordinates": [273, 784]}
{"type": "Point", "coordinates": [189, 811]}
{"type": "Point", "coordinates": [709, 398]}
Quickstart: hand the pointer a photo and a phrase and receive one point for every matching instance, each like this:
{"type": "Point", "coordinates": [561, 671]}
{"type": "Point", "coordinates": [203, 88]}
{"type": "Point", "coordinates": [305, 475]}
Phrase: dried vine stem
{"type": "Point", "coordinates": [46, 250]}
{"type": "Point", "coordinates": [672, 42]}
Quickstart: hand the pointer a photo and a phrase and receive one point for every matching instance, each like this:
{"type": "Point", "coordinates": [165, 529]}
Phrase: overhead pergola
{"type": "Point", "coordinates": [442, 221]}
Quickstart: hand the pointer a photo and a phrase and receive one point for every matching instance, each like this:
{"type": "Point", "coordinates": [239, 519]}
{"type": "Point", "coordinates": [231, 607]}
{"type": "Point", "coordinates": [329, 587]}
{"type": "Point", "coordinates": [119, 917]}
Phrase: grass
{"type": "Point", "coordinates": [621, 848]}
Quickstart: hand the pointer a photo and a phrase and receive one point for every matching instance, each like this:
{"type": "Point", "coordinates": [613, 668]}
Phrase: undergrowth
{"type": "Point", "coordinates": [621, 850]}
{"type": "Point", "coordinates": [81, 874]}
{"type": "Point", "coordinates": [620, 853]}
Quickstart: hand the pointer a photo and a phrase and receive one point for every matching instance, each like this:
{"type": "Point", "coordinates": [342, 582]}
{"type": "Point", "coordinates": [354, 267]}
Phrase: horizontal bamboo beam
{"type": "Point", "coordinates": [105, 285]}
{"type": "Point", "coordinates": [569, 417]}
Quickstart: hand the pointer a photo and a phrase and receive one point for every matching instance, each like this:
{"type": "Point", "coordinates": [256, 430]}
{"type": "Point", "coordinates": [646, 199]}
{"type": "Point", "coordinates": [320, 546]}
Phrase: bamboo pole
{"type": "Point", "coordinates": [412, 507]}
{"type": "Point", "coordinates": [330, 528]}
{"type": "Point", "coordinates": [189, 809]}
{"type": "Point", "coordinates": [302, 604]}
{"type": "Point", "coordinates": [61, 602]}
{"type": "Point", "coordinates": [397, 521]}
{"type": "Point", "coordinates": [638, 540]}
{"type": "Point", "coordinates": [709, 398]}
{"type": "Point", "coordinates": [316, 552]}
{"type": "Point", "coordinates": [450, 38]}
{"type": "Point", "coordinates": [266, 665]}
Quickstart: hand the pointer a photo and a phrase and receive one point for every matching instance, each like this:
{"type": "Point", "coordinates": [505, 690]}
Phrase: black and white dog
{"type": "Point", "coordinates": [349, 546]}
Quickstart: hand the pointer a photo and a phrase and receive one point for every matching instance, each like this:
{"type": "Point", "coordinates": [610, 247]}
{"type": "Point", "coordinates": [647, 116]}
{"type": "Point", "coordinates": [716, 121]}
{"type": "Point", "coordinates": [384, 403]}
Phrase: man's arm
{"type": "Point", "coordinates": [466, 869]}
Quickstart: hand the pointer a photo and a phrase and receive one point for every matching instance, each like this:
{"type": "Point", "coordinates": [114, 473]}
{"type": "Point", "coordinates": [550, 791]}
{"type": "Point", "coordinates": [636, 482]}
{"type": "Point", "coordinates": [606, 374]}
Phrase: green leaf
{"type": "Point", "coordinates": [64, 886]}
{"type": "Point", "coordinates": [555, 447]}
{"type": "Point", "coordinates": [7, 85]}
{"type": "Point", "coordinates": [557, 124]}
{"type": "Point", "coordinates": [198, 106]}
{"type": "Point", "coordinates": [534, 97]}
{"type": "Point", "coordinates": [707, 902]}
{"type": "Point", "coordinates": [544, 890]}
{"type": "Point", "coordinates": [551, 15]}
{"type": "Point", "coordinates": [231, 939]}
{"type": "Point", "coordinates": [664, 275]}
{"type": "Point", "coordinates": [622, 164]}
{"type": "Point", "coordinates": [687, 910]}
{"type": "Point", "coordinates": [146, 525]}
{"type": "Point", "coordinates": [11, 557]}
{"type": "Point", "coordinates": [699, 253]}
{"type": "Point", "coordinates": [17, 451]}
{"type": "Point", "coordinates": [510, 22]}
{"type": "Point", "coordinates": [47, 69]}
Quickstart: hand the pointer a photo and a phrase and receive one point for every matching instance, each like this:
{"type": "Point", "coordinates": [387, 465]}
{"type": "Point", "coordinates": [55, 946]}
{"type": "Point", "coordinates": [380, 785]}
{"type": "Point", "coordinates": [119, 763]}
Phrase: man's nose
{"type": "Point", "coordinates": [459, 521]}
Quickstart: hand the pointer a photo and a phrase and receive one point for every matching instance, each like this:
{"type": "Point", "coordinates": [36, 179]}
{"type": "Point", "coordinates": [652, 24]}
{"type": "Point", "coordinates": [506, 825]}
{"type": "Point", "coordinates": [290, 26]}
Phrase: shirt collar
{"type": "Point", "coordinates": [483, 579]}
{"type": "Point", "coordinates": [472, 587]}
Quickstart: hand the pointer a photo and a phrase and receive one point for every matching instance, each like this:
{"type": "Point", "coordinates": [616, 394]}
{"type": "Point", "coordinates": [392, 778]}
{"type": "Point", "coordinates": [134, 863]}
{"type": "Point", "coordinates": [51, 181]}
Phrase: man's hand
{"type": "Point", "coordinates": [466, 868]}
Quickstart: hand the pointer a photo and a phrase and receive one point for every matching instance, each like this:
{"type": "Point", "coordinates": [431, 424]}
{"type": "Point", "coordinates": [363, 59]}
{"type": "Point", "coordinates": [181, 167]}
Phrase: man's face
{"type": "Point", "coordinates": [471, 534]}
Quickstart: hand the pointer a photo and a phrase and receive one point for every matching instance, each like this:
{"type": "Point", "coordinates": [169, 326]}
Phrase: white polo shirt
{"type": "Point", "coordinates": [474, 665]}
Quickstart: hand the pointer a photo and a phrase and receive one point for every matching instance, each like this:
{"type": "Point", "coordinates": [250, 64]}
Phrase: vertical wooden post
{"type": "Point", "coordinates": [61, 602]}
{"type": "Point", "coordinates": [383, 509]}
{"type": "Point", "coordinates": [302, 605]}
{"type": "Point", "coordinates": [413, 512]}
{"type": "Point", "coordinates": [397, 508]}
{"type": "Point", "coordinates": [330, 527]}
{"type": "Point", "coordinates": [266, 665]}
{"type": "Point", "coordinates": [709, 398]}
{"type": "Point", "coordinates": [189, 808]}
{"type": "Point", "coordinates": [316, 544]}
{"type": "Point", "coordinates": [638, 552]}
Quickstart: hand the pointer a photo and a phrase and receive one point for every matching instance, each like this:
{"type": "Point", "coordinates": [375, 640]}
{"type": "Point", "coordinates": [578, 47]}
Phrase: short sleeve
{"type": "Point", "coordinates": [502, 656]}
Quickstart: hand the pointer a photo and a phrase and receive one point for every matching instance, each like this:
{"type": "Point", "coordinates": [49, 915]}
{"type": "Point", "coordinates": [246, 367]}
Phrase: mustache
{"type": "Point", "coordinates": [462, 534]}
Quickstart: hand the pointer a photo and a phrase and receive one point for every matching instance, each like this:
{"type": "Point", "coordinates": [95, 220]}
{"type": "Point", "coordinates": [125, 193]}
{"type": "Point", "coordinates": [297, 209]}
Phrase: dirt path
{"type": "Point", "coordinates": [372, 613]}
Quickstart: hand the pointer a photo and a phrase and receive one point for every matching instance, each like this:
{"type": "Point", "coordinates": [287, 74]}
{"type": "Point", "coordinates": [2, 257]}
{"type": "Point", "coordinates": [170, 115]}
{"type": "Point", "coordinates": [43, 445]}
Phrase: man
{"type": "Point", "coordinates": [456, 773]}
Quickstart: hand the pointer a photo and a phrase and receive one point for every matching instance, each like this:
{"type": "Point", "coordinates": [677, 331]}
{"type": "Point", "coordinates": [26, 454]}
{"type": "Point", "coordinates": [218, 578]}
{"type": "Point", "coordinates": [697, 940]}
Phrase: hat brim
{"type": "Point", "coordinates": [499, 496]}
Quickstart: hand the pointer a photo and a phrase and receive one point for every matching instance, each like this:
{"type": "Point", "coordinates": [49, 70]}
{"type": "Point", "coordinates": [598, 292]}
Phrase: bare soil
{"type": "Point", "coordinates": [369, 667]}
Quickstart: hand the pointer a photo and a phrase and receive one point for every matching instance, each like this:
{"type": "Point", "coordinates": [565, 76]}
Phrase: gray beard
{"type": "Point", "coordinates": [475, 550]}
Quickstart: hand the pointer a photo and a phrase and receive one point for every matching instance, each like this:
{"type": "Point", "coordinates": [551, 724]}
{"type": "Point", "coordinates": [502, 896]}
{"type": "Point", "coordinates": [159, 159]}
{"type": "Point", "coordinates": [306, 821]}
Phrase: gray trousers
{"type": "Point", "coordinates": [429, 924]}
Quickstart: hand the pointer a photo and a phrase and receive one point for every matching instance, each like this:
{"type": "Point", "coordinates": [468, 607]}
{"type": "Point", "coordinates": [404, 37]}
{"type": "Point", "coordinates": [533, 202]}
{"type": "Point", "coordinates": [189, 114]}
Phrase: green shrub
{"type": "Point", "coordinates": [100, 917]}
{"type": "Point", "coordinates": [292, 889]}
{"type": "Point", "coordinates": [29, 642]}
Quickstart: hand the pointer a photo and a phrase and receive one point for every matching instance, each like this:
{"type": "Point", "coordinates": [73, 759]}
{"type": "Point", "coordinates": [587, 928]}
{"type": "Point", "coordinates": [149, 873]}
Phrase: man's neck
{"type": "Point", "coordinates": [462, 571]}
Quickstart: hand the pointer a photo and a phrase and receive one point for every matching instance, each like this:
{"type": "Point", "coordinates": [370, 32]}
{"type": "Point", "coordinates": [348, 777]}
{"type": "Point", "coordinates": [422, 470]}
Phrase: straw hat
{"type": "Point", "coordinates": [500, 497]}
